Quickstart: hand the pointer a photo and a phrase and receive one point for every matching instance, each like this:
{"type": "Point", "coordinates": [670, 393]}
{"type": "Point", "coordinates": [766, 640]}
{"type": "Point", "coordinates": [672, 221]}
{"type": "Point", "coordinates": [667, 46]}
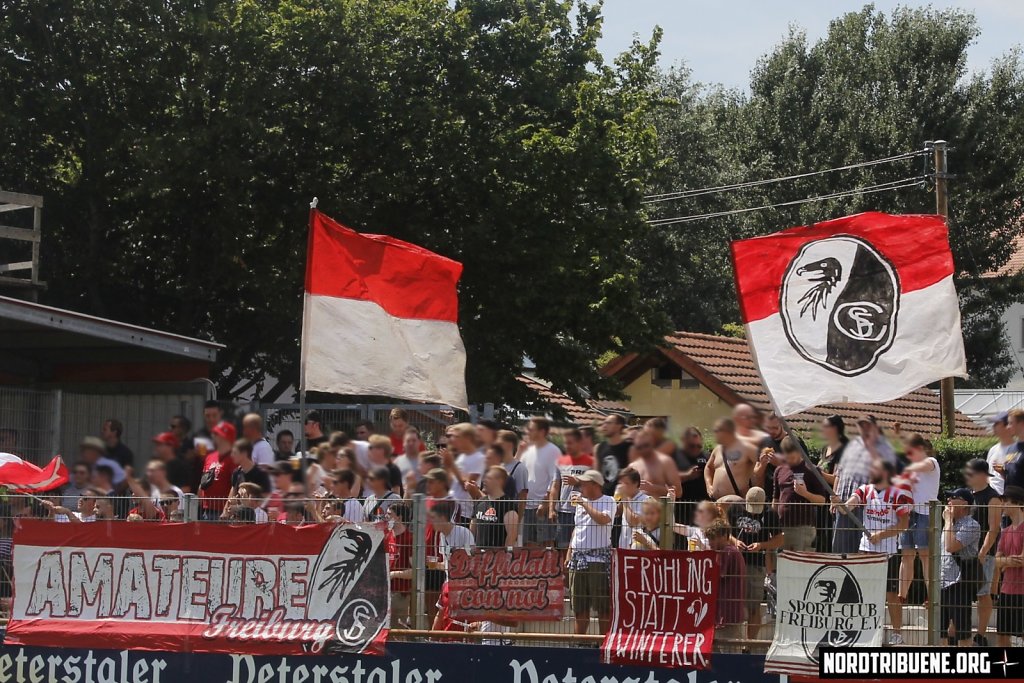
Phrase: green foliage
{"type": "Point", "coordinates": [874, 86]}
{"type": "Point", "coordinates": [178, 144]}
{"type": "Point", "coordinates": [953, 454]}
{"type": "Point", "coordinates": [734, 330]}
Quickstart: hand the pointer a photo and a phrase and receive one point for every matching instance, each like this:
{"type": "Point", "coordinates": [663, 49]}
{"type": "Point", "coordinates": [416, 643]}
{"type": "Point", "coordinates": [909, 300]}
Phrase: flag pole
{"type": "Point", "coordinates": [302, 349]}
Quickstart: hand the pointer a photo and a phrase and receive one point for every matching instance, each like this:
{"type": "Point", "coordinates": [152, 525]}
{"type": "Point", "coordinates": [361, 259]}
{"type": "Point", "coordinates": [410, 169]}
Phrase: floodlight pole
{"type": "Point", "coordinates": [946, 395]}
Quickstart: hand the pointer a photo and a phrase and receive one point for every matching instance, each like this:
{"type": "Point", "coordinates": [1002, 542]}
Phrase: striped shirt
{"type": "Point", "coordinates": [882, 510]}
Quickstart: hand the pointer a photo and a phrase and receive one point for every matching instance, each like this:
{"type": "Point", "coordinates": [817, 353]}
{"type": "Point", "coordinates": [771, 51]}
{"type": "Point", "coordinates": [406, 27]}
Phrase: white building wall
{"type": "Point", "coordinates": [1013, 321]}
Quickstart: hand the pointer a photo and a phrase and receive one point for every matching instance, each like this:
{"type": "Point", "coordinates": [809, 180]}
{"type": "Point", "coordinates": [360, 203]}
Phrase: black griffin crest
{"type": "Point", "coordinates": [839, 299]}
{"type": "Point", "coordinates": [826, 274]}
{"type": "Point", "coordinates": [835, 586]}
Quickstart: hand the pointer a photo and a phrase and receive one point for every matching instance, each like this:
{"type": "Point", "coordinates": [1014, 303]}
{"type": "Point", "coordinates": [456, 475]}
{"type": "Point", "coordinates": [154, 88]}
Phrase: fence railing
{"type": "Point", "coordinates": [430, 420]}
{"type": "Point", "coordinates": [927, 592]}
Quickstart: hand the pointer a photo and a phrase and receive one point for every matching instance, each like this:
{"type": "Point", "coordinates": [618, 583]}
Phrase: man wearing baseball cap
{"type": "Point", "coordinates": [961, 572]}
{"type": "Point", "coordinates": [997, 454]}
{"type": "Point", "coordinates": [165, 449]}
{"type": "Point", "coordinates": [590, 552]}
{"type": "Point", "coordinates": [215, 484]}
{"type": "Point", "coordinates": [987, 513]}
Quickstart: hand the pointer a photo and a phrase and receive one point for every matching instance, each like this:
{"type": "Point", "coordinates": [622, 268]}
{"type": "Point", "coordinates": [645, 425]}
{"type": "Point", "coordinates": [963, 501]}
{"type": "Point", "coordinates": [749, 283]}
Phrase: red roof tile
{"type": "Point", "coordinates": [1013, 265]}
{"type": "Point", "coordinates": [726, 367]}
{"type": "Point", "coordinates": [588, 413]}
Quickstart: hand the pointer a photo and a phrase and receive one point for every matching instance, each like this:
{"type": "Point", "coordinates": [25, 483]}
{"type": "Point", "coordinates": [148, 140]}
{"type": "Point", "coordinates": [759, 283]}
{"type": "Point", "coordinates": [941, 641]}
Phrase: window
{"type": "Point", "coordinates": [670, 375]}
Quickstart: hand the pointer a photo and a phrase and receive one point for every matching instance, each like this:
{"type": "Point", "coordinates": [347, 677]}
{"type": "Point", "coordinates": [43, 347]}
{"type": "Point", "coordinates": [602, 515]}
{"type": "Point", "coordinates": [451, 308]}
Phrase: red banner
{"type": "Point", "coordinates": [507, 583]}
{"type": "Point", "coordinates": [663, 609]}
{"type": "Point", "coordinates": [253, 589]}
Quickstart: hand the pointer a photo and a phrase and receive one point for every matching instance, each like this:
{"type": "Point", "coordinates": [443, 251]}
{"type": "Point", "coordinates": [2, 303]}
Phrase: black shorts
{"type": "Point", "coordinates": [892, 577]}
{"type": "Point", "coordinates": [433, 579]}
{"type": "Point", "coordinates": [956, 607]}
{"type": "Point", "coordinates": [1010, 615]}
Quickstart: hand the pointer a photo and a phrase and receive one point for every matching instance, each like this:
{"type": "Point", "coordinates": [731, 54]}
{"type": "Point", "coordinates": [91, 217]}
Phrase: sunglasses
{"type": "Point", "coordinates": [168, 502]}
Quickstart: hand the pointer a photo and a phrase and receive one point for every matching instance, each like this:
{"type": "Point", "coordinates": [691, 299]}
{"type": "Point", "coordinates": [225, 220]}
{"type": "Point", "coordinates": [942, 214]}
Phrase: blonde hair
{"type": "Point", "coordinates": [380, 441]}
{"type": "Point", "coordinates": [463, 429]}
{"type": "Point", "coordinates": [654, 503]}
{"type": "Point", "coordinates": [254, 490]}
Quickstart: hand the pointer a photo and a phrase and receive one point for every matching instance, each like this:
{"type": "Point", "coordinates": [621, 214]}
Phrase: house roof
{"type": "Point", "coordinates": [1014, 264]}
{"type": "Point", "coordinates": [587, 413]}
{"type": "Point", "coordinates": [726, 367]}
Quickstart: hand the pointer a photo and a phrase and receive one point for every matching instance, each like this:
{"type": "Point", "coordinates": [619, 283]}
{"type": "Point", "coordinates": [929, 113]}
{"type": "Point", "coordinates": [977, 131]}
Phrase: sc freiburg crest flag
{"type": "Point", "coordinates": [860, 309]}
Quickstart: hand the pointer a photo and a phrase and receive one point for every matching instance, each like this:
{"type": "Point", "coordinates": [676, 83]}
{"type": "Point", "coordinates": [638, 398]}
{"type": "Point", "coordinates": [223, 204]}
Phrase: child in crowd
{"type": "Point", "coordinates": [731, 608]}
{"type": "Point", "coordinates": [646, 525]}
{"type": "Point", "coordinates": [707, 512]}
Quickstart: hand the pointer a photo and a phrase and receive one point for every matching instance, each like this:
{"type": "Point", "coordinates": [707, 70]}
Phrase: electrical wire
{"type": "Point", "coordinates": [868, 189]}
{"type": "Point", "coordinates": [683, 194]}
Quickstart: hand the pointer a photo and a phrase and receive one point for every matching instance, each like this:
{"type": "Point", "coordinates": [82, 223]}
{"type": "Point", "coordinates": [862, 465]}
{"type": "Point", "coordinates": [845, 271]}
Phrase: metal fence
{"type": "Point", "coordinates": [37, 424]}
{"type": "Point", "coordinates": [923, 598]}
{"type": "Point", "coordinates": [30, 423]}
{"type": "Point", "coordinates": [431, 420]}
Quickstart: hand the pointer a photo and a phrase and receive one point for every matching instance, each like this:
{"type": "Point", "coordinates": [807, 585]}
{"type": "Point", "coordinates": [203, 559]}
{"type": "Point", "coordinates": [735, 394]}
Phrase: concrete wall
{"type": "Point", "coordinates": [683, 406]}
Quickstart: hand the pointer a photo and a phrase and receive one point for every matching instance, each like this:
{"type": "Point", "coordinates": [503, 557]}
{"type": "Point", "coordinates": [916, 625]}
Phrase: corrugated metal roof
{"type": "Point", "coordinates": [20, 318]}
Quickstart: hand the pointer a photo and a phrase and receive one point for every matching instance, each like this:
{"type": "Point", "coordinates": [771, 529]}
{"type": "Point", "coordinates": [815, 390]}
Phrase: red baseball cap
{"type": "Point", "coordinates": [225, 430]}
{"type": "Point", "coordinates": [168, 439]}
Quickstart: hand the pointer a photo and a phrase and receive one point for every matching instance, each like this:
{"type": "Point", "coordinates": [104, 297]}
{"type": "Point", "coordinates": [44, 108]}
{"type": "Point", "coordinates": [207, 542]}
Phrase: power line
{"type": "Point", "coordinates": [869, 189]}
{"type": "Point", "coordinates": [683, 194]}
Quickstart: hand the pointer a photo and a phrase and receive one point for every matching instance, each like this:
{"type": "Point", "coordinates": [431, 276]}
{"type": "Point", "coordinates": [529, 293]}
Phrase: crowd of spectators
{"type": "Point", "coordinates": [747, 495]}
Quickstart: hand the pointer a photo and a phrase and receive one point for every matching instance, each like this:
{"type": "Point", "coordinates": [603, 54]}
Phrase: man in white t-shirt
{"type": "Point", "coordinates": [86, 511]}
{"type": "Point", "coordinates": [540, 458]}
{"type": "Point", "coordinates": [450, 536]}
{"type": "Point", "coordinates": [998, 453]}
{"type": "Point", "coordinates": [262, 451]}
{"type": "Point", "coordinates": [467, 469]}
{"type": "Point", "coordinates": [409, 462]}
{"type": "Point", "coordinates": [590, 553]}
{"type": "Point", "coordinates": [345, 505]}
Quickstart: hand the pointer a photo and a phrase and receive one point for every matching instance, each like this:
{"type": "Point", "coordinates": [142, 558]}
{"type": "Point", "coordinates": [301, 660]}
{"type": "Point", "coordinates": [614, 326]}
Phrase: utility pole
{"type": "Point", "coordinates": [942, 208]}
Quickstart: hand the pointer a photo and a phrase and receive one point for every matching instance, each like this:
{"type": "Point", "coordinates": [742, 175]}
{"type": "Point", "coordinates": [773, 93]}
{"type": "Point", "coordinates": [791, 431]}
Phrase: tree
{"type": "Point", "coordinates": [179, 143]}
{"type": "Point", "coordinates": [687, 268]}
{"type": "Point", "coordinates": [873, 87]}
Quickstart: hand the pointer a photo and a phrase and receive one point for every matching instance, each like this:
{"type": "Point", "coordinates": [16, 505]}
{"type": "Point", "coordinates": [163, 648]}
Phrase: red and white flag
{"type": "Point", "coordinates": [380, 318]}
{"type": "Point", "coordinates": [19, 476]}
{"type": "Point", "coordinates": [860, 309]}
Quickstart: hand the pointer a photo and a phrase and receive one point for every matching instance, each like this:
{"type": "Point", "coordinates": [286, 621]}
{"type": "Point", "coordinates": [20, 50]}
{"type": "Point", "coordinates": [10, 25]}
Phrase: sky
{"type": "Point", "coordinates": [721, 40]}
